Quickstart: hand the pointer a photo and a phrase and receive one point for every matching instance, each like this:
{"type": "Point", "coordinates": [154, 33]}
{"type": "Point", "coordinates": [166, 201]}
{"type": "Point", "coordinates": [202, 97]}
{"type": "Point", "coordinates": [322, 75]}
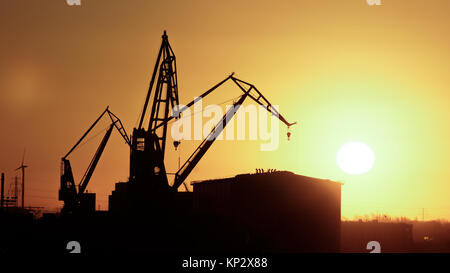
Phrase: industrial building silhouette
{"type": "Point", "coordinates": [262, 212]}
{"type": "Point", "coordinates": [270, 212]}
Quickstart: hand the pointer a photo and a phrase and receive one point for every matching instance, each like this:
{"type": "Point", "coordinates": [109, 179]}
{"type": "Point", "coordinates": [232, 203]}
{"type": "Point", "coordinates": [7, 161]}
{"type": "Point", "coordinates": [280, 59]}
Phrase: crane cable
{"type": "Point", "coordinates": [92, 137]}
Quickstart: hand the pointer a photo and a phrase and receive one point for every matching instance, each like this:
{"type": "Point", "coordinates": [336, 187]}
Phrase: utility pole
{"type": "Point", "coordinates": [16, 191]}
{"type": "Point", "coordinates": [3, 191]}
{"type": "Point", "coordinates": [22, 166]}
{"type": "Point", "coordinates": [423, 214]}
{"type": "Point", "coordinates": [23, 184]}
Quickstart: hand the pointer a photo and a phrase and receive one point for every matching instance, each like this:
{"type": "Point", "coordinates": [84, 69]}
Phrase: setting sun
{"type": "Point", "coordinates": [355, 158]}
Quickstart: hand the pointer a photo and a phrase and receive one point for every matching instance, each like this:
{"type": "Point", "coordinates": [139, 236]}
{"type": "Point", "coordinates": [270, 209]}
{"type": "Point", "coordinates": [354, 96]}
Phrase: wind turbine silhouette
{"type": "Point", "coordinates": [22, 167]}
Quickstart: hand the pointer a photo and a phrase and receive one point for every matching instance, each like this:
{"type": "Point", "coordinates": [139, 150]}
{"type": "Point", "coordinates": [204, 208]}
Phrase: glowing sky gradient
{"type": "Point", "coordinates": [343, 69]}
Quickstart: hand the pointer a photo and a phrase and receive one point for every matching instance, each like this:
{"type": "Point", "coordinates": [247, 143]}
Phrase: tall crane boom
{"type": "Point", "coordinates": [249, 91]}
{"type": "Point", "coordinates": [148, 145]}
{"type": "Point", "coordinates": [166, 71]}
{"type": "Point", "coordinates": [256, 95]}
{"type": "Point", "coordinates": [87, 176]}
{"type": "Point", "coordinates": [192, 161]}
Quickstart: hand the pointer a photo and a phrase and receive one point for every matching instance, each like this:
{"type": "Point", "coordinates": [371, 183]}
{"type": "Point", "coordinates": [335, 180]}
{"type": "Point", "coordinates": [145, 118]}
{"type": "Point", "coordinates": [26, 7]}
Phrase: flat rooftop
{"type": "Point", "coordinates": [280, 175]}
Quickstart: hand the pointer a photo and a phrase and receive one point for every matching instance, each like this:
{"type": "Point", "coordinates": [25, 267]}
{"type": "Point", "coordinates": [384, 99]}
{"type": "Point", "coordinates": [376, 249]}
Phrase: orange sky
{"type": "Point", "coordinates": [343, 69]}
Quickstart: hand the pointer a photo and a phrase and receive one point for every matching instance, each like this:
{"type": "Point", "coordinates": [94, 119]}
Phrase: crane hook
{"type": "Point", "coordinates": [176, 143]}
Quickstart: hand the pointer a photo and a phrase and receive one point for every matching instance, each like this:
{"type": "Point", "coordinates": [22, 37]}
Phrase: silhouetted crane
{"type": "Point", "coordinates": [68, 191]}
{"type": "Point", "coordinates": [148, 145]}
